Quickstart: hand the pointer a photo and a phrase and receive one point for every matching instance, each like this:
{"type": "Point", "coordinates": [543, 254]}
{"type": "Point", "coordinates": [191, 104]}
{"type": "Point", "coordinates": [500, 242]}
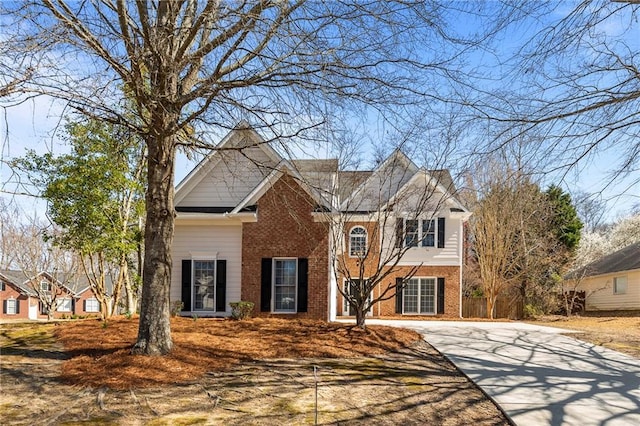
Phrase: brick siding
{"type": "Point", "coordinates": [285, 228]}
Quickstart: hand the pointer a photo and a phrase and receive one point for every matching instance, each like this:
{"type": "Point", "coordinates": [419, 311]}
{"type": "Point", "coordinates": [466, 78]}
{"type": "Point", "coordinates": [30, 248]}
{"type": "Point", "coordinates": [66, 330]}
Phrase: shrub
{"type": "Point", "coordinates": [241, 310]}
{"type": "Point", "coordinates": [532, 311]}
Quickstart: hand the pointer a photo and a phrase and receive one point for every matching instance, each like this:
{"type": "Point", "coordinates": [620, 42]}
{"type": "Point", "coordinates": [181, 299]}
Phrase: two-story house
{"type": "Point", "coordinates": [254, 226]}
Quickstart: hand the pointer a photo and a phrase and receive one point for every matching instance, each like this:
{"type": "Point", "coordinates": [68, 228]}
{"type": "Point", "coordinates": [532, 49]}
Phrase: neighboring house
{"type": "Point", "coordinates": [253, 226]}
{"type": "Point", "coordinates": [86, 302]}
{"type": "Point", "coordinates": [20, 300]}
{"type": "Point", "coordinates": [613, 282]}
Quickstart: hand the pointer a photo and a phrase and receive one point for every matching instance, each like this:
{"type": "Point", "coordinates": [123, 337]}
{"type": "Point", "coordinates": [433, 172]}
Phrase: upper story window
{"type": "Point", "coordinates": [619, 285]}
{"type": "Point", "coordinates": [45, 286]}
{"type": "Point", "coordinates": [357, 242]}
{"type": "Point", "coordinates": [420, 232]}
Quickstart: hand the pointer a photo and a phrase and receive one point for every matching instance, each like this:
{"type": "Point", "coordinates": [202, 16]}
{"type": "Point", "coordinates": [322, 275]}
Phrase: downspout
{"type": "Point", "coordinates": [461, 249]}
{"type": "Point", "coordinates": [332, 279]}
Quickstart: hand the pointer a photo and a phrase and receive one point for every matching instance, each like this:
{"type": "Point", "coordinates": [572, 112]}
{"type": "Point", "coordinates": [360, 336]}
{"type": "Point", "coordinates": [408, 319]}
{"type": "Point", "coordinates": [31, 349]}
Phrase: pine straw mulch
{"type": "Point", "coordinates": [99, 356]}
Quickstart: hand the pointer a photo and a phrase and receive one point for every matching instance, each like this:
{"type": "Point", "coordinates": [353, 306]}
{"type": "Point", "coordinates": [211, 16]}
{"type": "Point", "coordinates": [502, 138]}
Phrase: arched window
{"type": "Point", "coordinates": [357, 241]}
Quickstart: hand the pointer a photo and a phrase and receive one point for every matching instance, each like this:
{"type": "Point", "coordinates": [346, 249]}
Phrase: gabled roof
{"type": "Point", "coordinates": [434, 180]}
{"type": "Point", "coordinates": [269, 181]}
{"type": "Point", "coordinates": [240, 139]}
{"type": "Point", "coordinates": [626, 259]}
{"type": "Point", "coordinates": [17, 279]}
{"type": "Point", "coordinates": [384, 182]}
{"type": "Point", "coordinates": [207, 191]}
{"type": "Point", "coordinates": [22, 280]}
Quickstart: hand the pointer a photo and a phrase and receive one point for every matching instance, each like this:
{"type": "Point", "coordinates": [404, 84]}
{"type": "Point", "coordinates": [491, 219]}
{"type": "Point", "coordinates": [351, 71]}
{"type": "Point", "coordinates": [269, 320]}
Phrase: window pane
{"type": "Point", "coordinates": [428, 233]}
{"type": "Point", "coordinates": [64, 305]}
{"type": "Point", "coordinates": [427, 295]}
{"type": "Point", "coordinates": [285, 280]}
{"type": "Point", "coordinates": [92, 305]}
{"type": "Point", "coordinates": [11, 307]}
{"type": "Point", "coordinates": [620, 285]}
{"type": "Point", "coordinates": [358, 242]}
{"type": "Point", "coordinates": [410, 296]}
{"type": "Point", "coordinates": [204, 284]}
{"type": "Point", "coordinates": [411, 235]}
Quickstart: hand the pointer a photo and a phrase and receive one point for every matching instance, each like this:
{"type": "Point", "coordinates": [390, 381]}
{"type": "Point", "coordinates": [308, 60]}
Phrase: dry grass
{"type": "Point", "coordinates": [99, 356]}
{"type": "Point", "coordinates": [620, 332]}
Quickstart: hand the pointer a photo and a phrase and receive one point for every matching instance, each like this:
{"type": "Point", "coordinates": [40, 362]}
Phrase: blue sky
{"type": "Point", "coordinates": [32, 125]}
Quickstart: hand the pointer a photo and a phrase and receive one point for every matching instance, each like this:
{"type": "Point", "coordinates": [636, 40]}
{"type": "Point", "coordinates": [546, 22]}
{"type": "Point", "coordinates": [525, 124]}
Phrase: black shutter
{"type": "Point", "coordinates": [399, 233]}
{"type": "Point", "coordinates": [399, 295]}
{"type": "Point", "coordinates": [186, 284]}
{"type": "Point", "coordinates": [221, 285]}
{"type": "Point", "coordinates": [441, 232]}
{"type": "Point", "coordinates": [4, 306]}
{"type": "Point", "coordinates": [84, 305]}
{"type": "Point", "coordinates": [303, 284]}
{"type": "Point", "coordinates": [17, 306]}
{"type": "Point", "coordinates": [73, 305]}
{"type": "Point", "coordinates": [265, 285]}
{"type": "Point", "coordinates": [441, 295]}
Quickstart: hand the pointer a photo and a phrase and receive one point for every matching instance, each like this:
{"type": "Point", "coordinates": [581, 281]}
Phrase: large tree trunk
{"type": "Point", "coordinates": [154, 331]}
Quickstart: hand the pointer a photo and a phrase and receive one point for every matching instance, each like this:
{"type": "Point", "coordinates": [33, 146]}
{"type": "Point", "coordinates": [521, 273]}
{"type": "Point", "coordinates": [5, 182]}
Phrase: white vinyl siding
{"type": "Point", "coordinates": [230, 181]}
{"type": "Point", "coordinates": [447, 256]}
{"type": "Point", "coordinates": [601, 296]}
{"type": "Point", "coordinates": [225, 240]}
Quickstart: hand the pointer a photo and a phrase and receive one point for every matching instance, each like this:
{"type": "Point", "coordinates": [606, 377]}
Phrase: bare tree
{"type": "Point", "coordinates": [378, 218]}
{"type": "Point", "coordinates": [577, 89]}
{"type": "Point", "coordinates": [191, 65]}
{"type": "Point", "coordinates": [591, 210]}
{"type": "Point", "coordinates": [50, 272]}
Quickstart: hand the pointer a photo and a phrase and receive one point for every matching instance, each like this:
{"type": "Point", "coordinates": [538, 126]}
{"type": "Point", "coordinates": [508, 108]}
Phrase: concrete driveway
{"type": "Point", "coordinates": [536, 375]}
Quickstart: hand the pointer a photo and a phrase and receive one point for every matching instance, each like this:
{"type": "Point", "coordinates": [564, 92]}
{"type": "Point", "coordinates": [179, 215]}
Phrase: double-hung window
{"type": "Point", "coordinates": [92, 305]}
{"type": "Point", "coordinates": [285, 279]}
{"type": "Point", "coordinates": [204, 285]}
{"type": "Point", "coordinates": [619, 285]}
{"type": "Point", "coordinates": [428, 233]}
{"type": "Point", "coordinates": [420, 232]}
{"type": "Point", "coordinates": [11, 306]}
{"type": "Point", "coordinates": [411, 233]}
{"type": "Point", "coordinates": [419, 296]}
{"type": "Point", "coordinates": [358, 242]}
{"type": "Point", "coordinates": [64, 305]}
